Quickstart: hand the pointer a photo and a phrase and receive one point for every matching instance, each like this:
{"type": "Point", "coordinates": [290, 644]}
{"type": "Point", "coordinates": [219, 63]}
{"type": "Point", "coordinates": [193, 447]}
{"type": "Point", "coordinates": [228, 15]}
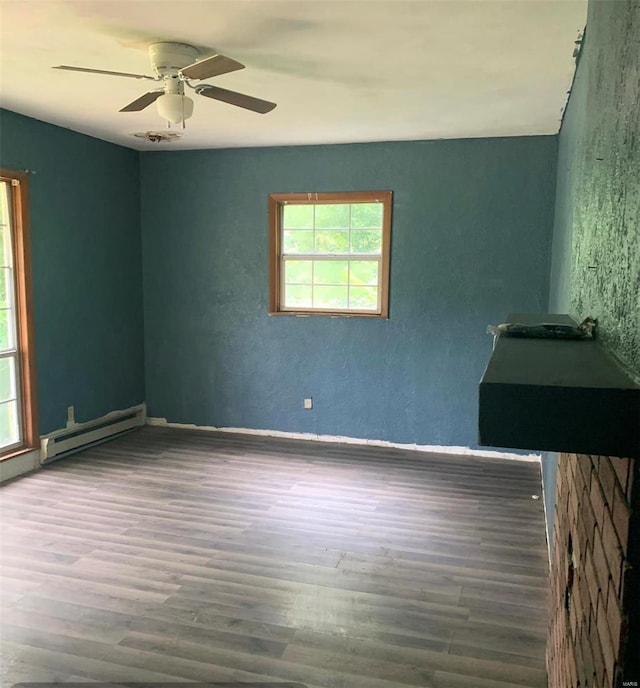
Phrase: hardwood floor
{"type": "Point", "coordinates": [172, 555]}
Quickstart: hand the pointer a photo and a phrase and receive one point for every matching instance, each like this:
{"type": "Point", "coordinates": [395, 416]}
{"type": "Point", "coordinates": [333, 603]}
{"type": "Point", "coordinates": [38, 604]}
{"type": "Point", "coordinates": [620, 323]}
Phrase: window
{"type": "Point", "coordinates": [329, 253]}
{"type": "Point", "coordinates": [18, 424]}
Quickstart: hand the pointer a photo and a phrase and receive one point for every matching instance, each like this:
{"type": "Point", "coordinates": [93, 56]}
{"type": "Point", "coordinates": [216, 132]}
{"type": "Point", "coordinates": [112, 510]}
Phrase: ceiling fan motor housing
{"type": "Point", "coordinates": [167, 59]}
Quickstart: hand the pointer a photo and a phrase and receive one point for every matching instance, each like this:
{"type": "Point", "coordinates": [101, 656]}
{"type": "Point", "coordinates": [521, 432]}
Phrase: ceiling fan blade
{"type": "Point", "coordinates": [103, 71]}
{"type": "Point", "coordinates": [211, 66]}
{"type": "Point", "coordinates": [142, 102]}
{"type": "Point", "coordinates": [234, 98]}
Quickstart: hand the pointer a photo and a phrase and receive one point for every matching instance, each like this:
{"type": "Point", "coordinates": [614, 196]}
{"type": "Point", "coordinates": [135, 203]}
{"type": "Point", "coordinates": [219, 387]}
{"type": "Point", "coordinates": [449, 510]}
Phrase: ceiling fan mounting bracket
{"type": "Point", "coordinates": [167, 59]}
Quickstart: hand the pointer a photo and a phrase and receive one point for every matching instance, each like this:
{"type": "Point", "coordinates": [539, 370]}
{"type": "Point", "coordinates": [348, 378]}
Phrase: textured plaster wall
{"type": "Point", "coordinates": [470, 241]}
{"type": "Point", "coordinates": [596, 249]}
{"type": "Point", "coordinates": [596, 238]}
{"type": "Point", "coordinates": [86, 255]}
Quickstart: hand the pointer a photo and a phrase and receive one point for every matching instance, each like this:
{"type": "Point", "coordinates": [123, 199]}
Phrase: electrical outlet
{"type": "Point", "coordinates": [71, 416]}
{"type": "Point", "coordinates": [308, 403]}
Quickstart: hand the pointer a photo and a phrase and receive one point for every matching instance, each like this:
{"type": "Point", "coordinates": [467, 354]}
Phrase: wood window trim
{"type": "Point", "coordinates": [276, 202]}
{"type": "Point", "coordinates": [24, 308]}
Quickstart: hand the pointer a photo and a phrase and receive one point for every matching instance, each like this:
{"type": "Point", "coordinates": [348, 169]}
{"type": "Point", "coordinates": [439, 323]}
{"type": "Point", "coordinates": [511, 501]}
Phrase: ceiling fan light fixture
{"type": "Point", "coordinates": [174, 107]}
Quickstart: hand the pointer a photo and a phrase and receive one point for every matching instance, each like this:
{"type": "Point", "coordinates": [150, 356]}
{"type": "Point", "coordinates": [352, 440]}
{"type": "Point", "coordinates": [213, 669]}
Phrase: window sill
{"type": "Point", "coordinates": [329, 314]}
{"type": "Point", "coordinates": [14, 453]}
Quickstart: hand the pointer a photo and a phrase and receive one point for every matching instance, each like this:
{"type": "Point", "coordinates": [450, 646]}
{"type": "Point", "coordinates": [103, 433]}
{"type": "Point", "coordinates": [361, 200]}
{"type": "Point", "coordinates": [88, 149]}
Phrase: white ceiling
{"type": "Point", "coordinates": [340, 71]}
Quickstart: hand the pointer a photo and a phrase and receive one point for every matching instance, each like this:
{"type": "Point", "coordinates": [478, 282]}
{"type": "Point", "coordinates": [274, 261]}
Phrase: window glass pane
{"type": "Point", "coordinates": [332, 241]}
{"type": "Point", "coordinates": [363, 272]}
{"type": "Point", "coordinates": [6, 248]}
{"type": "Point", "coordinates": [297, 241]}
{"type": "Point", "coordinates": [297, 271]}
{"type": "Point", "coordinates": [7, 378]}
{"type": "Point", "coordinates": [3, 250]}
{"type": "Point", "coordinates": [9, 428]}
{"type": "Point", "coordinates": [5, 223]}
{"type": "Point", "coordinates": [6, 330]}
{"type": "Point", "coordinates": [5, 286]}
{"type": "Point", "coordinates": [366, 241]}
{"type": "Point", "coordinates": [4, 202]}
{"type": "Point", "coordinates": [297, 217]}
{"type": "Point", "coordinates": [330, 271]}
{"type": "Point", "coordinates": [297, 296]}
{"type": "Point", "coordinates": [363, 298]}
{"type": "Point", "coordinates": [332, 216]}
{"type": "Point", "coordinates": [330, 297]}
{"type": "Point", "coordinates": [366, 215]}
{"type": "Point", "coordinates": [328, 256]}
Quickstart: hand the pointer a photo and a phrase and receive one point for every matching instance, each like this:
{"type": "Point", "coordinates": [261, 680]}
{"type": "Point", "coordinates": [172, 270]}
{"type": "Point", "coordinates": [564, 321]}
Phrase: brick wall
{"type": "Point", "coordinates": [592, 583]}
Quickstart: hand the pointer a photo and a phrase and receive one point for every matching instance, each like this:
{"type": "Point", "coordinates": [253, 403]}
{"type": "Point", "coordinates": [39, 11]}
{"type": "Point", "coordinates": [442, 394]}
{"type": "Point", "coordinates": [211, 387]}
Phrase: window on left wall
{"type": "Point", "coordinates": [18, 411]}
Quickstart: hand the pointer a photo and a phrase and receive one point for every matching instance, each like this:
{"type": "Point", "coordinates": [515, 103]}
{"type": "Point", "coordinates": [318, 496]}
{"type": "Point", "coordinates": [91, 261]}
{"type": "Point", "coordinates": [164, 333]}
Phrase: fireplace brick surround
{"type": "Point", "coordinates": [594, 579]}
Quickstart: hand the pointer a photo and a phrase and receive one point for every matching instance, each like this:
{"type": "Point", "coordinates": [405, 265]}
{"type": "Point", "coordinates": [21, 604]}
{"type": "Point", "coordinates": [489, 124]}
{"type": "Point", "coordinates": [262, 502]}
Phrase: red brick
{"type": "Point", "coordinates": [573, 670]}
{"type": "Point", "coordinates": [607, 478]}
{"type": "Point", "coordinates": [617, 676]}
{"type": "Point", "coordinates": [592, 579]}
{"type": "Point", "coordinates": [580, 664]}
{"type": "Point", "coordinates": [562, 561]}
{"type": "Point", "coordinates": [606, 643]}
{"type": "Point", "coordinates": [598, 659]}
{"type": "Point", "coordinates": [585, 595]}
{"type": "Point", "coordinates": [573, 620]}
{"type": "Point", "coordinates": [592, 510]}
{"type": "Point", "coordinates": [597, 499]}
{"type": "Point", "coordinates": [584, 463]}
{"type": "Point", "coordinates": [584, 542]}
{"type": "Point", "coordinates": [572, 466]}
{"type": "Point", "coordinates": [556, 571]}
{"type": "Point", "coordinates": [612, 548]}
{"type": "Point", "coordinates": [557, 537]}
{"type": "Point", "coordinates": [621, 468]}
{"type": "Point", "coordinates": [562, 501]}
{"type": "Point", "coordinates": [621, 514]}
{"type": "Point", "coordinates": [574, 509]}
{"type": "Point", "coordinates": [600, 560]}
{"type": "Point", "coordinates": [616, 568]}
{"type": "Point", "coordinates": [614, 616]}
{"type": "Point", "coordinates": [560, 474]}
{"type": "Point", "coordinates": [587, 515]}
{"type": "Point", "coordinates": [578, 546]}
{"type": "Point", "coordinates": [587, 656]}
{"type": "Point", "coordinates": [576, 598]}
{"type": "Point", "coordinates": [633, 476]}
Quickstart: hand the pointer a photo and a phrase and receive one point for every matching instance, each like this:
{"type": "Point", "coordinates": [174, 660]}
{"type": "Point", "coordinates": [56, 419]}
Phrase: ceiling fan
{"type": "Point", "coordinates": [176, 65]}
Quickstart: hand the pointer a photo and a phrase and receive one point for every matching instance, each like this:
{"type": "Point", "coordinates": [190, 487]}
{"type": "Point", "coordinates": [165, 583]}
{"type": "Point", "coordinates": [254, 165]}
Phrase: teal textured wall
{"type": "Point", "coordinates": [596, 239]}
{"type": "Point", "coordinates": [470, 241]}
{"type": "Point", "coordinates": [596, 248]}
{"type": "Point", "coordinates": [86, 253]}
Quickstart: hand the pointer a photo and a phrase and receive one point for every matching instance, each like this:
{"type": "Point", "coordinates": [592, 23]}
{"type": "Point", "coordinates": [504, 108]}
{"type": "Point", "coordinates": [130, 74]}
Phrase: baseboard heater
{"type": "Point", "coordinates": [82, 435]}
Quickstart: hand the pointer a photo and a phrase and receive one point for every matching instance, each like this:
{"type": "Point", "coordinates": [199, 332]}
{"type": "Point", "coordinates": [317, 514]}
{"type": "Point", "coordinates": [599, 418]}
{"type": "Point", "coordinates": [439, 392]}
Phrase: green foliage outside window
{"type": "Point", "coordinates": [332, 230]}
{"type": "Point", "coordinates": [330, 253]}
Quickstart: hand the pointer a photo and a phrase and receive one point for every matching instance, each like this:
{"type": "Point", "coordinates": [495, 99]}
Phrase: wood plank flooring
{"type": "Point", "coordinates": [172, 555]}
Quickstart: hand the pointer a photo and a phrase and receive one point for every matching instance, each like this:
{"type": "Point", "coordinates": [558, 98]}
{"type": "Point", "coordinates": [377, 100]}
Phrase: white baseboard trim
{"type": "Point", "coordinates": [426, 448]}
